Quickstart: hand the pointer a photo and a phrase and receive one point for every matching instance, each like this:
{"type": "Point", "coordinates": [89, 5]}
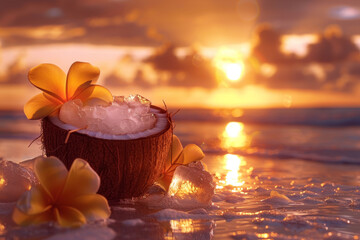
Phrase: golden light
{"type": "Point", "coordinates": [233, 164]}
{"type": "Point", "coordinates": [233, 71]}
{"type": "Point", "coordinates": [298, 44]}
{"type": "Point", "coordinates": [233, 129]}
{"type": "Point", "coordinates": [182, 225]}
{"type": "Point", "coordinates": [230, 63]}
{"type": "Point", "coordinates": [263, 235]}
{"type": "Point", "coordinates": [268, 70]}
{"type": "Point", "coordinates": [287, 102]}
{"type": "Point", "coordinates": [182, 188]}
{"type": "Point", "coordinates": [2, 181]}
{"type": "Point", "coordinates": [234, 136]}
{"type": "Point", "coordinates": [2, 228]}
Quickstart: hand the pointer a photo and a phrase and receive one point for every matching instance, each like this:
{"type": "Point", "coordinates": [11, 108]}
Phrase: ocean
{"type": "Point", "coordinates": [281, 174]}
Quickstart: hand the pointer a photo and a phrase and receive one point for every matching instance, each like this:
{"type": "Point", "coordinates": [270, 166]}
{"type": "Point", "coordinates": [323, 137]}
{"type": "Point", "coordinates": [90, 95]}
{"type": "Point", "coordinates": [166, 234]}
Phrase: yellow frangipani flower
{"type": "Point", "coordinates": [178, 156]}
{"type": "Point", "coordinates": [58, 88]}
{"type": "Point", "coordinates": [66, 197]}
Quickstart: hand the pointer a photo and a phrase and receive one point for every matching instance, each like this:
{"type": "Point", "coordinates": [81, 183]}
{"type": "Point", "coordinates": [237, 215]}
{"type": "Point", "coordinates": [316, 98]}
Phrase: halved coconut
{"type": "Point", "coordinates": [127, 164]}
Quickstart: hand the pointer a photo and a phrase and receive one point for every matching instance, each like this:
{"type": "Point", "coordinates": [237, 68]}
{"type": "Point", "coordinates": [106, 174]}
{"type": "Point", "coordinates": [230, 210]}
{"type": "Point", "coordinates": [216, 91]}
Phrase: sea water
{"type": "Point", "coordinates": [279, 173]}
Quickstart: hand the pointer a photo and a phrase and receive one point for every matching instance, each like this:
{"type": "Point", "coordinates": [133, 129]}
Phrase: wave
{"type": "Point", "coordinates": [341, 157]}
{"type": "Point", "coordinates": [276, 116]}
{"type": "Point", "coordinates": [333, 142]}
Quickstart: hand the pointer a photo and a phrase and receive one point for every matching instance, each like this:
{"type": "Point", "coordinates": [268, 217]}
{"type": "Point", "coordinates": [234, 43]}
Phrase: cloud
{"type": "Point", "coordinates": [345, 12]}
{"type": "Point", "coordinates": [155, 22]}
{"type": "Point", "coordinates": [268, 44]}
{"type": "Point", "coordinates": [44, 33]}
{"type": "Point", "coordinates": [290, 77]}
{"type": "Point", "coordinates": [164, 68]}
{"type": "Point", "coordinates": [330, 64]}
{"type": "Point", "coordinates": [337, 77]}
{"type": "Point", "coordinates": [332, 46]}
{"type": "Point", "coordinates": [130, 72]}
{"type": "Point", "coordinates": [123, 34]}
{"type": "Point", "coordinates": [309, 16]}
{"type": "Point", "coordinates": [192, 70]}
{"type": "Point", "coordinates": [110, 22]}
{"type": "Point", "coordinates": [16, 72]}
{"type": "Point", "coordinates": [86, 21]}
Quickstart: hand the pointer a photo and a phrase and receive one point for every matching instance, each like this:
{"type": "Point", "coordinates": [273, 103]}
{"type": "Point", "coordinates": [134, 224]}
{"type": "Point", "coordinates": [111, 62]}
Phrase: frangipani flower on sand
{"type": "Point", "coordinates": [66, 197]}
{"type": "Point", "coordinates": [58, 88]}
{"type": "Point", "coordinates": [178, 156]}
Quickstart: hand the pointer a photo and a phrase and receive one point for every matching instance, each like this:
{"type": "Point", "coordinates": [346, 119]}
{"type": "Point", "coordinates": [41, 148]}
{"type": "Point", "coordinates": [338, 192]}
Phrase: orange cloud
{"type": "Point", "coordinates": [44, 32]}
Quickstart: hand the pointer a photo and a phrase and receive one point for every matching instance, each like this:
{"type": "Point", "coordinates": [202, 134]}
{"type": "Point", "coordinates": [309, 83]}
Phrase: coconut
{"type": "Point", "coordinates": [128, 164]}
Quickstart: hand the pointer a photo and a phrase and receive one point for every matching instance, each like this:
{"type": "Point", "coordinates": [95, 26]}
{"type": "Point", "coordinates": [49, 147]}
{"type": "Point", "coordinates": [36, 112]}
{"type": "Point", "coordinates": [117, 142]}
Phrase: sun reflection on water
{"type": "Point", "coordinates": [2, 181]}
{"type": "Point", "coordinates": [233, 163]}
{"type": "Point", "coordinates": [190, 229]}
{"type": "Point", "coordinates": [234, 136]}
{"type": "Point", "coordinates": [2, 228]}
{"type": "Point", "coordinates": [233, 129]}
{"type": "Point", "coordinates": [182, 225]}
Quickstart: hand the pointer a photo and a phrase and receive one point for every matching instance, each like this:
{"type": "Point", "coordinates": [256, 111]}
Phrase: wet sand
{"type": "Point", "coordinates": [256, 198]}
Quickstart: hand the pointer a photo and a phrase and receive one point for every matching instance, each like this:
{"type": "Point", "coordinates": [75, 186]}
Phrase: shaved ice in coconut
{"type": "Point", "coordinates": [126, 140]}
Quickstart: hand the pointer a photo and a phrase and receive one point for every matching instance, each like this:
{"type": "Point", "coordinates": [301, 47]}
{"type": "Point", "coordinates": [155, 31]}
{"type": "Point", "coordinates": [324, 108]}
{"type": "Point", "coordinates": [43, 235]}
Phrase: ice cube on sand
{"type": "Point", "coordinates": [14, 180]}
{"type": "Point", "coordinates": [125, 115]}
{"type": "Point", "coordinates": [192, 183]}
{"type": "Point", "coordinates": [191, 187]}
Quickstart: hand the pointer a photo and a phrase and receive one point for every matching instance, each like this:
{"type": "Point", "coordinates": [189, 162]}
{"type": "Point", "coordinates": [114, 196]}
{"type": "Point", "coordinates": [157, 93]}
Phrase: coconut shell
{"type": "Point", "coordinates": [127, 168]}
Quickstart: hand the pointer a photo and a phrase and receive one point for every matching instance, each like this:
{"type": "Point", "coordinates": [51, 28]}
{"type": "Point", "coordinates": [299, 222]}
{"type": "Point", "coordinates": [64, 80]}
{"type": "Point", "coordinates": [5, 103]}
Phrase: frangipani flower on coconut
{"type": "Point", "coordinates": [178, 156]}
{"type": "Point", "coordinates": [66, 197]}
{"type": "Point", "coordinates": [58, 88]}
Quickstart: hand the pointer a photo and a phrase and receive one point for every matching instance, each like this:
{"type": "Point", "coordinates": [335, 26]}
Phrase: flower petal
{"type": "Point", "coordinates": [191, 153]}
{"type": "Point", "coordinates": [93, 206]}
{"type": "Point", "coordinates": [165, 181]}
{"type": "Point", "coordinates": [81, 74]}
{"type": "Point", "coordinates": [174, 153]}
{"type": "Point", "coordinates": [51, 173]}
{"type": "Point", "coordinates": [21, 218]}
{"type": "Point", "coordinates": [81, 180]}
{"type": "Point", "coordinates": [34, 201]}
{"type": "Point", "coordinates": [95, 92]}
{"type": "Point", "coordinates": [50, 79]}
{"type": "Point", "coordinates": [69, 217]}
{"type": "Point", "coordinates": [40, 106]}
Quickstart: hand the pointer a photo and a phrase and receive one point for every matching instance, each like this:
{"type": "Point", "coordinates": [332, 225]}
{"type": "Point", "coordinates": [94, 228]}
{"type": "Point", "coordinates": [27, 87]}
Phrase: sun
{"type": "Point", "coordinates": [230, 63]}
{"type": "Point", "coordinates": [233, 129]}
{"type": "Point", "coordinates": [233, 71]}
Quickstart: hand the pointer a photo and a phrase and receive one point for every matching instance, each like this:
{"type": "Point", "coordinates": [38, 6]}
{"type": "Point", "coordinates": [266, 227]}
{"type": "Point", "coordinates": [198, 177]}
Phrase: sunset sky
{"type": "Point", "coordinates": [204, 53]}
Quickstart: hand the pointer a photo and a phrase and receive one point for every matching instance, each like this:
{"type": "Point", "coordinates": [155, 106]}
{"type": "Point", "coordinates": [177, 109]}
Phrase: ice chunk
{"type": "Point", "coordinates": [14, 180]}
{"type": "Point", "coordinates": [133, 222]}
{"type": "Point", "coordinates": [71, 112]}
{"type": "Point", "coordinates": [192, 187]}
{"type": "Point", "coordinates": [119, 99]}
{"type": "Point", "coordinates": [277, 198]}
{"type": "Point", "coordinates": [123, 116]}
{"type": "Point", "coordinates": [171, 214]}
{"type": "Point", "coordinates": [192, 183]}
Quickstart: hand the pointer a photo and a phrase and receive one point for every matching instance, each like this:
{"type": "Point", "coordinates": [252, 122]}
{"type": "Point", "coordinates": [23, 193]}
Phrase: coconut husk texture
{"type": "Point", "coordinates": [127, 168]}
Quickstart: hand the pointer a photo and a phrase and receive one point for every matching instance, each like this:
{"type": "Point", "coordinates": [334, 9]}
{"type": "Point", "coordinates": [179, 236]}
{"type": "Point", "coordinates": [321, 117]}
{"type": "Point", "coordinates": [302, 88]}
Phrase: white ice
{"type": "Point", "coordinates": [125, 115]}
{"type": "Point", "coordinates": [15, 179]}
{"type": "Point", "coordinates": [192, 183]}
{"type": "Point", "coordinates": [191, 187]}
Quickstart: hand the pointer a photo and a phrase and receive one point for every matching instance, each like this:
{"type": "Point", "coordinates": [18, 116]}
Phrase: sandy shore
{"type": "Point", "coordinates": [256, 198]}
